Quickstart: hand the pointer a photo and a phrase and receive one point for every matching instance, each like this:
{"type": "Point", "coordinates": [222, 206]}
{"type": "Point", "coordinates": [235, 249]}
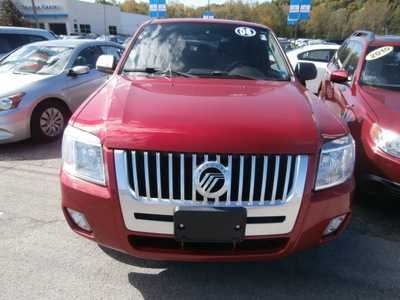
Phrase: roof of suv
{"type": "Point", "coordinates": [377, 39]}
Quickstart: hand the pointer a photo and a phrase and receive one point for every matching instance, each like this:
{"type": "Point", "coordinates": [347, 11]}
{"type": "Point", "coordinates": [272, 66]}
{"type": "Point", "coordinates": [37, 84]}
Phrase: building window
{"type": "Point", "coordinates": [41, 25]}
{"type": "Point", "coordinates": [112, 30]}
{"type": "Point", "coordinates": [85, 28]}
{"type": "Point", "coordinates": [76, 27]}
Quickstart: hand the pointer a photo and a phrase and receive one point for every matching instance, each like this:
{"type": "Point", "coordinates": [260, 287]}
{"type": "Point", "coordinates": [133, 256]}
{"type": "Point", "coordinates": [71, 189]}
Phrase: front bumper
{"type": "Point", "coordinates": [378, 187]}
{"type": "Point", "coordinates": [14, 125]}
{"type": "Point", "coordinates": [377, 173]}
{"type": "Point", "coordinates": [102, 209]}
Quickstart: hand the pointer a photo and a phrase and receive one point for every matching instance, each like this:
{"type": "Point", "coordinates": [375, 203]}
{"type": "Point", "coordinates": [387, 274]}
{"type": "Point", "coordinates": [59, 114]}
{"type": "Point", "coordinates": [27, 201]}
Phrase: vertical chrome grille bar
{"type": "Point", "coordinates": [276, 176]}
{"type": "Point", "coordinates": [158, 164]}
{"type": "Point", "coordinates": [217, 198]}
{"type": "Point", "coordinates": [296, 172]}
{"type": "Point", "coordinates": [288, 169]}
{"type": "Point", "coordinates": [205, 200]}
{"type": "Point", "coordinates": [252, 179]}
{"type": "Point", "coordinates": [170, 178]}
{"type": "Point", "coordinates": [241, 171]}
{"type": "Point", "coordinates": [274, 187]}
{"type": "Point", "coordinates": [146, 175]}
{"type": "Point", "coordinates": [182, 178]}
{"type": "Point", "coordinates": [194, 167]}
{"type": "Point", "coordinates": [264, 180]}
{"type": "Point", "coordinates": [135, 177]}
{"type": "Point", "coordinates": [228, 195]}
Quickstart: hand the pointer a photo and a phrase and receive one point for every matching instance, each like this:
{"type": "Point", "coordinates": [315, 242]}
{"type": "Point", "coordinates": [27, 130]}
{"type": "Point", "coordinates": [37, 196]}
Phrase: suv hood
{"type": "Point", "coordinates": [385, 104]}
{"type": "Point", "coordinates": [204, 115]}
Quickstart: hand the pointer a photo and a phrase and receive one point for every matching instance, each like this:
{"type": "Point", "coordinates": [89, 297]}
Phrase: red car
{"type": "Point", "coordinates": [362, 85]}
{"type": "Point", "coordinates": [204, 145]}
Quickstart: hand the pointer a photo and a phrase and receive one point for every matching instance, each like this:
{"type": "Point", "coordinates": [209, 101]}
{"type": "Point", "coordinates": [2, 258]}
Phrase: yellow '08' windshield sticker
{"type": "Point", "coordinates": [378, 53]}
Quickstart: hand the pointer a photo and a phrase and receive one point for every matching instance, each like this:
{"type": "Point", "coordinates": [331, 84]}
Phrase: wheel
{"type": "Point", "coordinates": [48, 121]}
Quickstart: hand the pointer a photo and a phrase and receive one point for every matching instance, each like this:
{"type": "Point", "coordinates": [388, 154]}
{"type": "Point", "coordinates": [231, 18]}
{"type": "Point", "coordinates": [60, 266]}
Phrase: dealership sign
{"type": "Point", "coordinates": [299, 9]}
{"type": "Point", "coordinates": [158, 8]}
{"type": "Point", "coordinates": [43, 6]}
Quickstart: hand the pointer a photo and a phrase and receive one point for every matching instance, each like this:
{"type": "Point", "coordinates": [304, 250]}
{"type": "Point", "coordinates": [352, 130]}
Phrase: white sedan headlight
{"type": "Point", "coordinates": [11, 101]}
{"type": "Point", "coordinates": [336, 163]}
{"type": "Point", "coordinates": [82, 155]}
{"type": "Point", "coordinates": [386, 140]}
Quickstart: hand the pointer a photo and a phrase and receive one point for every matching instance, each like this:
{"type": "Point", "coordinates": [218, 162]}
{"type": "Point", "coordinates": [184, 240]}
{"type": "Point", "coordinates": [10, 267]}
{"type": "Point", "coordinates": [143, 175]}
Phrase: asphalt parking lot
{"type": "Point", "coordinates": [41, 258]}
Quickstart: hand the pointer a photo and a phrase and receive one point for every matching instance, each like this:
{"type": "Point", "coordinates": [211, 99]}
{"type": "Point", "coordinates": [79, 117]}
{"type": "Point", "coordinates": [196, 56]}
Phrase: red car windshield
{"type": "Point", "coordinates": [382, 67]}
{"type": "Point", "coordinates": [200, 49]}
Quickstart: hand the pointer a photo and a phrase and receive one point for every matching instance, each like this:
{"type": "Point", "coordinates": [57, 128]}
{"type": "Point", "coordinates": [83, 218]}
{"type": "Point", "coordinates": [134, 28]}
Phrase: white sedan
{"type": "Point", "coordinates": [42, 84]}
{"type": "Point", "coordinates": [320, 55]}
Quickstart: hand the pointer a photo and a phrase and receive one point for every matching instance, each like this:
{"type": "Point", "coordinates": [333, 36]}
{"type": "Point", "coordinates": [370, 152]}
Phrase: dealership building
{"type": "Point", "coordinates": [74, 16]}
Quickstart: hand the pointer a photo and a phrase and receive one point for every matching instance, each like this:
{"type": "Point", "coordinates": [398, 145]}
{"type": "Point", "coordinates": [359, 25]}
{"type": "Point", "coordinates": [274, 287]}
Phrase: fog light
{"type": "Point", "coordinates": [79, 219]}
{"type": "Point", "coordinates": [334, 224]}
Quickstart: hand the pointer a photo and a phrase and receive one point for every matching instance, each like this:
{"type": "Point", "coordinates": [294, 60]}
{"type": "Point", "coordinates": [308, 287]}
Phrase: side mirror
{"type": "Point", "coordinates": [339, 76]}
{"type": "Point", "coordinates": [78, 70]}
{"type": "Point", "coordinates": [305, 71]}
{"type": "Point", "coordinates": [106, 64]}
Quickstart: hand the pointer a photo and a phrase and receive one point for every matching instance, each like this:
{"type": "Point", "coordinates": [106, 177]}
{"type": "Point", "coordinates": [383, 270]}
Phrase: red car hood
{"type": "Point", "coordinates": [205, 115]}
{"type": "Point", "coordinates": [385, 104]}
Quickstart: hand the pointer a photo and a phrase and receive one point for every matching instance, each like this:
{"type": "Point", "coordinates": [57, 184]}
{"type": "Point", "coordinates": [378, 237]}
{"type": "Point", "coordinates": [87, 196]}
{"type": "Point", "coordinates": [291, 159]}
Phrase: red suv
{"type": "Point", "coordinates": [362, 86]}
{"type": "Point", "coordinates": [204, 145]}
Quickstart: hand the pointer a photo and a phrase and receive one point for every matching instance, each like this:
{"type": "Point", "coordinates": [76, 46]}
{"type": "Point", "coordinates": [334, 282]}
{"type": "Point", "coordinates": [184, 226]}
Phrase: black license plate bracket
{"type": "Point", "coordinates": [210, 224]}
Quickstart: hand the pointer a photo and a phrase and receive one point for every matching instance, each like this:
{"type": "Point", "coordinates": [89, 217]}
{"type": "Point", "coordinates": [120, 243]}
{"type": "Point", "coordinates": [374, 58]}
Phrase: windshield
{"type": "Point", "coordinates": [206, 50]}
{"type": "Point", "coordinates": [382, 67]}
{"type": "Point", "coordinates": [36, 60]}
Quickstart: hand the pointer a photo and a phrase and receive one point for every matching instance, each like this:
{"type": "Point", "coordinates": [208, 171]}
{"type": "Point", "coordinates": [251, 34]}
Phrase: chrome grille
{"type": "Point", "coordinates": [165, 177]}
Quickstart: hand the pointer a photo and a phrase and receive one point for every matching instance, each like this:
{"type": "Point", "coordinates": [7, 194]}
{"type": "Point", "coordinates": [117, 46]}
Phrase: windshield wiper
{"type": "Point", "coordinates": [159, 71]}
{"type": "Point", "coordinates": [232, 75]}
{"type": "Point", "coordinates": [145, 70]}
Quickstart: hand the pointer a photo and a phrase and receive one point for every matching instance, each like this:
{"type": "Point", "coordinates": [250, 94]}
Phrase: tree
{"type": "Point", "coordinates": [319, 23]}
{"type": "Point", "coordinates": [333, 19]}
{"type": "Point", "coordinates": [175, 10]}
{"type": "Point", "coordinates": [279, 19]}
{"type": "Point", "coordinates": [111, 2]}
{"type": "Point", "coordinates": [375, 16]}
{"type": "Point", "coordinates": [10, 15]}
{"type": "Point", "coordinates": [131, 6]}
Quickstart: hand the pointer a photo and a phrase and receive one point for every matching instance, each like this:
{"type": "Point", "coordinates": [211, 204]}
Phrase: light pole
{"type": "Point", "coordinates": [298, 20]}
{"type": "Point", "coordinates": [35, 14]}
{"type": "Point", "coordinates": [345, 18]}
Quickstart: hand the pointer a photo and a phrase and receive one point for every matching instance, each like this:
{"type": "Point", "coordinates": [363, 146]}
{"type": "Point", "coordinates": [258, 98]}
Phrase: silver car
{"type": "Point", "coordinates": [43, 83]}
{"type": "Point", "coordinates": [13, 37]}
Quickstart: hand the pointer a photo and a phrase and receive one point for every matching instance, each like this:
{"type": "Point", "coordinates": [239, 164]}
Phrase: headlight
{"type": "Point", "coordinates": [386, 140]}
{"type": "Point", "coordinates": [11, 101]}
{"type": "Point", "coordinates": [336, 163]}
{"type": "Point", "coordinates": [82, 155]}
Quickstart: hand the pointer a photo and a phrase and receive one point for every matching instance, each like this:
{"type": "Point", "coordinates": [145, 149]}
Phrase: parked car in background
{"type": "Point", "coordinates": [205, 146]}
{"type": "Point", "coordinates": [320, 55]}
{"type": "Point", "coordinates": [13, 37]}
{"type": "Point", "coordinates": [112, 38]}
{"type": "Point", "coordinates": [301, 42]}
{"type": "Point", "coordinates": [362, 86]}
{"type": "Point", "coordinates": [42, 83]}
{"type": "Point", "coordinates": [286, 45]}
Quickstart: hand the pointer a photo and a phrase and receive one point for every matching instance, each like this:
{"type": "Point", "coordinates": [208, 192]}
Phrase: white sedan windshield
{"type": "Point", "coordinates": [36, 60]}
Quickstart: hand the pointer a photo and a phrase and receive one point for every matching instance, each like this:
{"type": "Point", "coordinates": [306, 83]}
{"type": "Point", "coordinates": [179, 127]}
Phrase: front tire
{"type": "Point", "coordinates": [48, 121]}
